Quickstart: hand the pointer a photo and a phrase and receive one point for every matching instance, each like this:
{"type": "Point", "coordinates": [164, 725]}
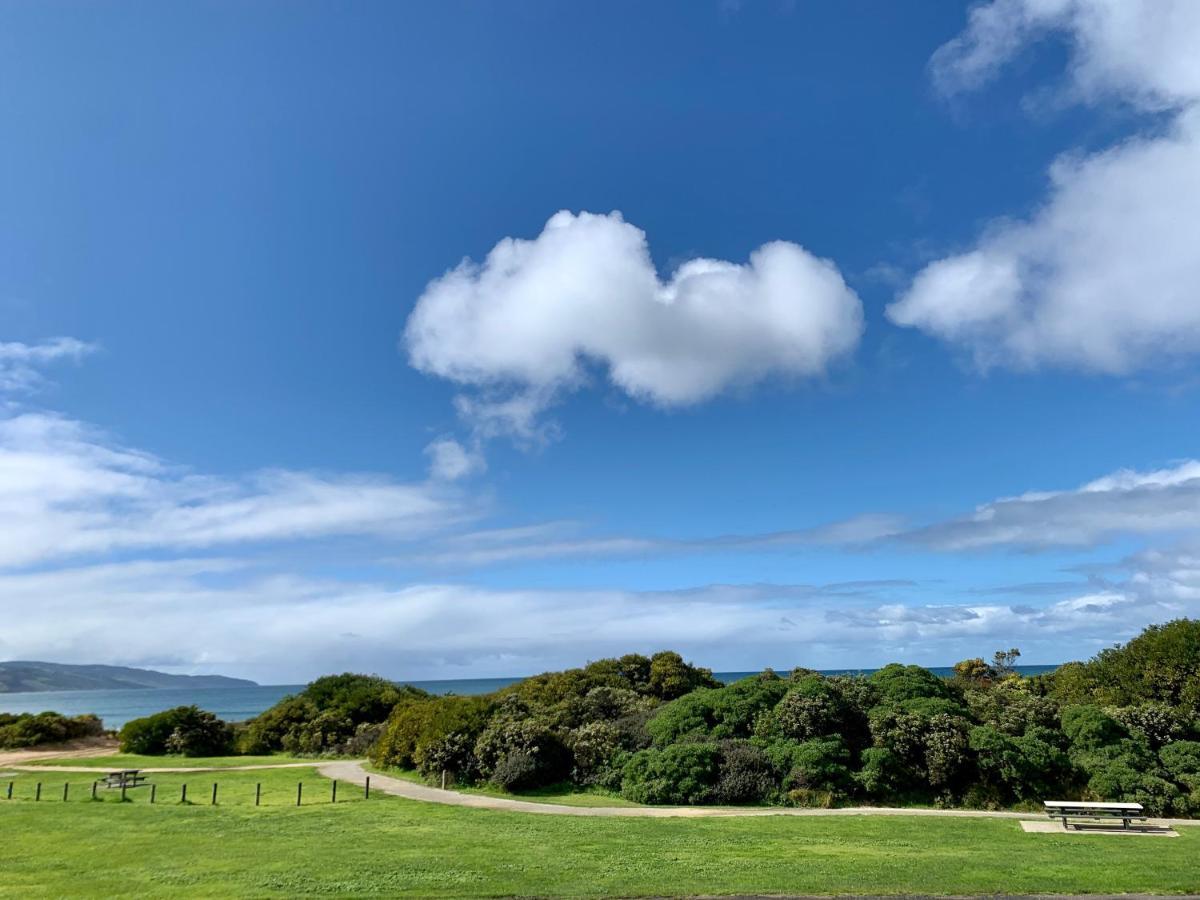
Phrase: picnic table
{"type": "Point", "coordinates": [1083, 809]}
{"type": "Point", "coordinates": [126, 778]}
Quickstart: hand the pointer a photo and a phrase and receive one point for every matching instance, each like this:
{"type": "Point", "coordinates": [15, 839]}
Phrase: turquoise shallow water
{"type": "Point", "coordinates": [238, 703]}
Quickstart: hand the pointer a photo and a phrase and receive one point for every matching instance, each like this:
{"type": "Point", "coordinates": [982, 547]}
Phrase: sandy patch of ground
{"type": "Point", "coordinates": [81, 749]}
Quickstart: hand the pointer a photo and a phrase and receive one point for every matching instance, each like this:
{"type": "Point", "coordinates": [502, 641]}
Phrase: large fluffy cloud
{"type": "Point", "coordinates": [1105, 275]}
{"type": "Point", "coordinates": [528, 321]}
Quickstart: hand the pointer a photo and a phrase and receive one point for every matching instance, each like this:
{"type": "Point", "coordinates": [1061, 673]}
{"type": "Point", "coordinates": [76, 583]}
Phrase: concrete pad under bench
{"type": "Point", "coordinates": [1099, 828]}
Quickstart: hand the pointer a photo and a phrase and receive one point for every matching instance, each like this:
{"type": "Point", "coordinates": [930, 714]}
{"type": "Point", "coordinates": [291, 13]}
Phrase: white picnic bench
{"type": "Point", "coordinates": [1083, 809]}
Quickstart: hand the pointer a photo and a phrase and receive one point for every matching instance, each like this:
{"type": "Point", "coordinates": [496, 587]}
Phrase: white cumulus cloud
{"type": "Point", "coordinates": [1105, 276]}
{"type": "Point", "coordinates": [527, 322]}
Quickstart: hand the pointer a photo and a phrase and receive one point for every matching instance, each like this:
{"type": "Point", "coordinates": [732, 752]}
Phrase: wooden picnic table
{"type": "Point", "coordinates": [1094, 810]}
{"type": "Point", "coordinates": [126, 778]}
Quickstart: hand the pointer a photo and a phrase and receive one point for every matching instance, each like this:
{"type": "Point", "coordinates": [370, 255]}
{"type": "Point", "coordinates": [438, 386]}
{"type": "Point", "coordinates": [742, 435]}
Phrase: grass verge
{"type": "Point", "coordinates": [387, 846]}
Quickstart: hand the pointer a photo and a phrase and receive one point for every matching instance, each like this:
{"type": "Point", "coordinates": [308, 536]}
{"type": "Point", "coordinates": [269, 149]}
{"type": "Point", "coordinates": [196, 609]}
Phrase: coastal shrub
{"type": "Point", "coordinates": [544, 758]}
{"type": "Point", "coordinates": [745, 774]}
{"type": "Point", "coordinates": [413, 727]}
{"type": "Point", "coordinates": [1022, 767]}
{"type": "Point", "coordinates": [882, 775]}
{"type": "Point", "coordinates": [1157, 722]}
{"type": "Point", "coordinates": [34, 729]}
{"type": "Point", "coordinates": [184, 731]}
{"type": "Point", "coordinates": [811, 708]}
{"type": "Point", "coordinates": [1181, 759]}
{"type": "Point", "coordinates": [1162, 664]}
{"type": "Point", "coordinates": [1088, 727]}
{"type": "Point", "coordinates": [679, 774]}
{"type": "Point", "coordinates": [671, 677]}
{"type": "Point", "coordinates": [821, 764]}
{"type": "Point", "coordinates": [896, 683]}
{"type": "Point", "coordinates": [596, 752]}
{"type": "Point", "coordinates": [716, 713]}
{"type": "Point", "coordinates": [326, 715]}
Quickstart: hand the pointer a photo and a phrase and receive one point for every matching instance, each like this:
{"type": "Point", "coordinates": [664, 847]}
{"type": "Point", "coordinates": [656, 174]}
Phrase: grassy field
{"type": "Point", "coordinates": [132, 761]}
{"type": "Point", "coordinates": [388, 846]}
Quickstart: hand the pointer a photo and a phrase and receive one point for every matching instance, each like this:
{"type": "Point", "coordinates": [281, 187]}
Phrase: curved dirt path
{"type": "Point", "coordinates": [353, 773]}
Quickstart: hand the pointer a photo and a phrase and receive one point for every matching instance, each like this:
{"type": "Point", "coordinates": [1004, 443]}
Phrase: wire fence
{"type": "Point", "coordinates": [191, 793]}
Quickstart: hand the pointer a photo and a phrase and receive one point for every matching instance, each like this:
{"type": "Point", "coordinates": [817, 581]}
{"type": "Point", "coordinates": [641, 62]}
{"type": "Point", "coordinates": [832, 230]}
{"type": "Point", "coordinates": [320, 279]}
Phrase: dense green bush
{"type": "Point", "coordinates": [184, 731]}
{"type": "Point", "coordinates": [715, 713]}
{"type": "Point", "coordinates": [434, 734]}
{"type": "Point", "coordinates": [680, 773]}
{"type": "Point", "coordinates": [325, 717]}
{"type": "Point", "coordinates": [34, 729]}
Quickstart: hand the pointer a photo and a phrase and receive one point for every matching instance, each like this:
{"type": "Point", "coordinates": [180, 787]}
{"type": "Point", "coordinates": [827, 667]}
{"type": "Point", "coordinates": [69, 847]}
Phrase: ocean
{"type": "Point", "coordinates": [235, 704]}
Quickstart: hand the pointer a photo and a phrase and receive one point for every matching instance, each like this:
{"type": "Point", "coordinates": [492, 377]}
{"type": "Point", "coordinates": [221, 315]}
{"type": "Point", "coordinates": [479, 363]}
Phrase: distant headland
{"type": "Point", "coordinates": [23, 675]}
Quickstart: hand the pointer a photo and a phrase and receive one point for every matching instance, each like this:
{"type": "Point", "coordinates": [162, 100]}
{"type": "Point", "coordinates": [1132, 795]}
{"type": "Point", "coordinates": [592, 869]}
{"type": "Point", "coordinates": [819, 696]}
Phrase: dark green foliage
{"type": "Point", "coordinates": [662, 731]}
{"type": "Point", "coordinates": [184, 730]}
{"type": "Point", "coordinates": [896, 684]}
{"type": "Point", "coordinates": [325, 717]}
{"type": "Point", "coordinates": [746, 774]}
{"type": "Point", "coordinates": [434, 733]}
{"type": "Point", "coordinates": [1089, 727]}
{"type": "Point", "coordinates": [671, 677]}
{"type": "Point", "coordinates": [717, 713]}
{"type": "Point", "coordinates": [680, 773]}
{"type": "Point", "coordinates": [543, 757]}
{"type": "Point", "coordinates": [1024, 767]}
{"type": "Point", "coordinates": [35, 729]}
{"type": "Point", "coordinates": [811, 708]}
{"type": "Point", "coordinates": [822, 764]}
{"type": "Point", "coordinates": [1162, 664]}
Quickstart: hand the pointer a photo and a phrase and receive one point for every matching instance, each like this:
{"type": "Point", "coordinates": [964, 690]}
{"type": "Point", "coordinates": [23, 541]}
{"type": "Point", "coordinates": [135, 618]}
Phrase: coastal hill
{"type": "Point", "coordinates": [21, 675]}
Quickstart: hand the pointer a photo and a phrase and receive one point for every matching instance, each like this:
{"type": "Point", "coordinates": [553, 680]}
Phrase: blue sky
{"type": "Point", "coordinates": [864, 332]}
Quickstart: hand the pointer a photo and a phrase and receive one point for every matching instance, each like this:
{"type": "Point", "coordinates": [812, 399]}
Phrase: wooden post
{"type": "Point", "coordinates": [9, 797]}
{"type": "Point", "coordinates": [443, 779]}
{"type": "Point", "coordinates": [65, 786]}
{"type": "Point", "coordinates": [299, 791]}
{"type": "Point", "coordinates": [367, 789]}
{"type": "Point", "coordinates": [183, 794]}
{"type": "Point", "coordinates": [258, 793]}
{"type": "Point", "coordinates": [38, 795]}
{"type": "Point", "coordinates": [93, 790]}
{"type": "Point", "coordinates": [153, 791]}
{"type": "Point", "coordinates": [214, 799]}
{"type": "Point", "coordinates": [122, 790]}
{"type": "Point", "coordinates": [334, 800]}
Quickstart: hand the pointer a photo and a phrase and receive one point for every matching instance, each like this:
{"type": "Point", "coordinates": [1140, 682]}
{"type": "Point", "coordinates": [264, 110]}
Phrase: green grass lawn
{"type": "Point", "coordinates": [386, 846]}
{"type": "Point", "coordinates": [561, 794]}
{"type": "Point", "coordinates": [132, 761]}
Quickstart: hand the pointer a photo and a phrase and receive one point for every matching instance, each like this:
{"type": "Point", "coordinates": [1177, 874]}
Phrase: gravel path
{"type": "Point", "coordinates": [353, 773]}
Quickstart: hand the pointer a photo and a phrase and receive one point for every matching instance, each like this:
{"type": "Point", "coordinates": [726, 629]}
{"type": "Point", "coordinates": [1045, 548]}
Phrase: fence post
{"type": "Point", "coordinates": [153, 791]}
{"type": "Point", "coordinates": [258, 793]}
{"type": "Point", "coordinates": [122, 791]}
{"type": "Point", "coordinates": [38, 795]}
{"type": "Point", "coordinates": [334, 800]}
{"type": "Point", "coordinates": [9, 797]}
{"type": "Point", "coordinates": [183, 794]}
{"type": "Point", "coordinates": [299, 791]}
{"type": "Point", "coordinates": [367, 789]}
{"type": "Point", "coordinates": [93, 790]}
{"type": "Point", "coordinates": [65, 786]}
{"type": "Point", "coordinates": [214, 799]}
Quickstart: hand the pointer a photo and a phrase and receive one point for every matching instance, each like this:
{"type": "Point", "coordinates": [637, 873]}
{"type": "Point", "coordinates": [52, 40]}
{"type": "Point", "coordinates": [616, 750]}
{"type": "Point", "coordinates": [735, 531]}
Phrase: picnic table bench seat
{"type": "Point", "coordinates": [126, 778]}
{"type": "Point", "coordinates": [1094, 810]}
